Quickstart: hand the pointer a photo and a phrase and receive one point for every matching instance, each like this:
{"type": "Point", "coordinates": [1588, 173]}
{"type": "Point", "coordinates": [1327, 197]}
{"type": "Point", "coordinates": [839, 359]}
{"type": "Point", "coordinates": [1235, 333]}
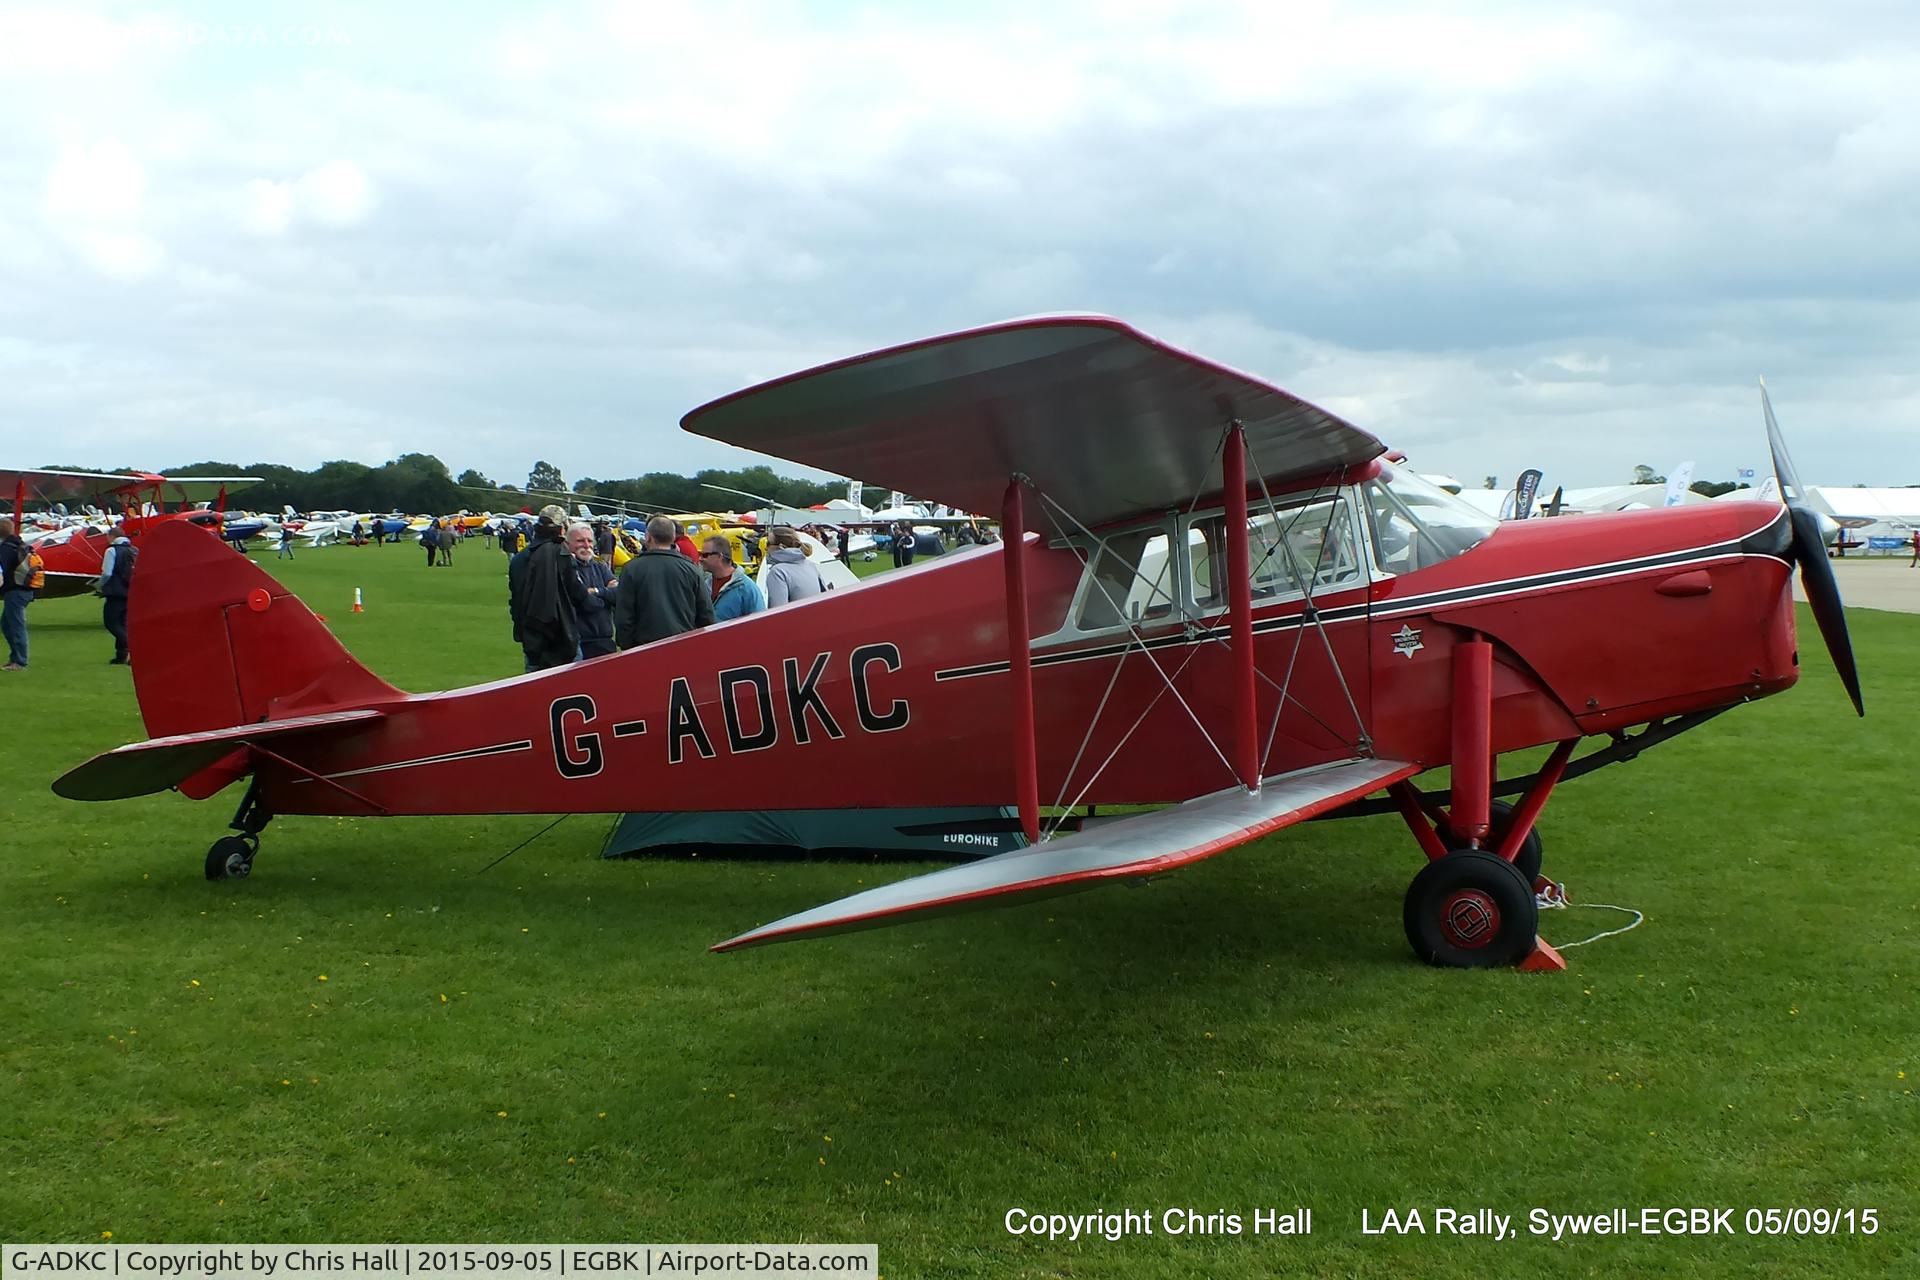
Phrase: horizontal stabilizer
{"type": "Point", "coordinates": [1127, 848]}
{"type": "Point", "coordinates": [142, 768]}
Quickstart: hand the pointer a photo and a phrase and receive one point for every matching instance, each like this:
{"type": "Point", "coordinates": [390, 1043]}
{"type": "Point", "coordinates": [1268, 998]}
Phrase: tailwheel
{"type": "Point", "coordinates": [1499, 818]}
{"type": "Point", "coordinates": [1471, 910]}
{"type": "Point", "coordinates": [231, 858]}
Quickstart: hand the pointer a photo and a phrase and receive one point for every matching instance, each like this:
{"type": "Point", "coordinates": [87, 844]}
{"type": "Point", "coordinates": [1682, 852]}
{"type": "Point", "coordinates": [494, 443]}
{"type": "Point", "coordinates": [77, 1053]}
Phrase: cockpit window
{"type": "Point", "coordinates": [1131, 581]}
{"type": "Point", "coordinates": [1417, 524]}
{"type": "Point", "coordinates": [1293, 551]}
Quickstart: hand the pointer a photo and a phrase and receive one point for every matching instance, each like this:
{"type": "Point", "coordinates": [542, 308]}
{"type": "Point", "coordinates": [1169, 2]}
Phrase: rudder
{"type": "Point", "coordinates": [217, 642]}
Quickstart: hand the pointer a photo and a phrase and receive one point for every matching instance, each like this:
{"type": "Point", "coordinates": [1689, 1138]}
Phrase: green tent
{"type": "Point", "coordinates": [962, 834]}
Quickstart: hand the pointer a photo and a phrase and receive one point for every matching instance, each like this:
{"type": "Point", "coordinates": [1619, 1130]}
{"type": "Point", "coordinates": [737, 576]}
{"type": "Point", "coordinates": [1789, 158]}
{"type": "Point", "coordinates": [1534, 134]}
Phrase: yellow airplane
{"type": "Point", "coordinates": [743, 538]}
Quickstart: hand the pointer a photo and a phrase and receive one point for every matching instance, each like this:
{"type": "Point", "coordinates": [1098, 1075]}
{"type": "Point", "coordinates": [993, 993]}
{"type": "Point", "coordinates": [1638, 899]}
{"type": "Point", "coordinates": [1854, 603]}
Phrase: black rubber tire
{"type": "Point", "coordinates": [1500, 816]}
{"type": "Point", "coordinates": [231, 857]}
{"type": "Point", "coordinates": [1471, 910]}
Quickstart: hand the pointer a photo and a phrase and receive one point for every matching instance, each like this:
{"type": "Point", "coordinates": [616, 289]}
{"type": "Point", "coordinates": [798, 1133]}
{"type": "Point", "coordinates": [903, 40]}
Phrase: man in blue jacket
{"type": "Point", "coordinates": [116, 579]}
{"type": "Point", "coordinates": [595, 615]}
{"type": "Point", "coordinates": [735, 595]}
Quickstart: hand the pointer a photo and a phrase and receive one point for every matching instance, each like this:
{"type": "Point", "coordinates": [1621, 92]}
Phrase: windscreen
{"type": "Point", "coordinates": [1417, 524]}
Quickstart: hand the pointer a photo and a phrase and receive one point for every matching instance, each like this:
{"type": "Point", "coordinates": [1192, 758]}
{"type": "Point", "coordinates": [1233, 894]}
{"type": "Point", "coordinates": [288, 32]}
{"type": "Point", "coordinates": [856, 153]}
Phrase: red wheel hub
{"type": "Point", "coordinates": [1469, 919]}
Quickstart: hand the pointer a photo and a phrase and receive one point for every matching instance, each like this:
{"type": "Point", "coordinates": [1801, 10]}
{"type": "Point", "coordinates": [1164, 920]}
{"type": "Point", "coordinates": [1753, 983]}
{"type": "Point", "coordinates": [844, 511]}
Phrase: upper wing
{"type": "Point", "coordinates": [190, 489]}
{"type": "Point", "coordinates": [99, 487]}
{"type": "Point", "coordinates": [1103, 418]}
{"type": "Point", "coordinates": [61, 486]}
{"type": "Point", "coordinates": [1127, 848]}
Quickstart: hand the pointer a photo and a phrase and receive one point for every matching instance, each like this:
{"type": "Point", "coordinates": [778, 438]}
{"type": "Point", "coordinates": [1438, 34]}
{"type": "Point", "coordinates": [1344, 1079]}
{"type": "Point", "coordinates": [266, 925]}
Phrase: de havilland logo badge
{"type": "Point", "coordinates": [1406, 640]}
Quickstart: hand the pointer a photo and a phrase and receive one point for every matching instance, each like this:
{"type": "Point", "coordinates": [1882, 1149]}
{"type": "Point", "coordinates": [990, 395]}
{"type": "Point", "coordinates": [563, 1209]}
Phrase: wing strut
{"type": "Point", "coordinates": [1246, 742]}
{"type": "Point", "coordinates": [1026, 775]}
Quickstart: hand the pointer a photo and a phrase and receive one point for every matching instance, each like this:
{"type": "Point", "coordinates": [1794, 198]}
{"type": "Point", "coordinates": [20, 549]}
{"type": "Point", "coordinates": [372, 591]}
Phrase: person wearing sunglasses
{"type": "Point", "coordinates": [735, 595]}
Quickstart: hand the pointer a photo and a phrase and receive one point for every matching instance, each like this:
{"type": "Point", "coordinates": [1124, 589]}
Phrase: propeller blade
{"type": "Point", "coordinates": [1810, 549]}
{"type": "Point", "coordinates": [1788, 478]}
{"type": "Point", "coordinates": [1823, 594]}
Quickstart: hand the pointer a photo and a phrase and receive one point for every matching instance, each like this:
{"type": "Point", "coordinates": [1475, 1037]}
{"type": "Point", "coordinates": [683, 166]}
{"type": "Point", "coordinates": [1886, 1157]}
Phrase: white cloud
{"type": "Point", "coordinates": [52, 43]}
{"type": "Point", "coordinates": [100, 183]}
{"type": "Point", "coordinates": [1493, 231]}
{"type": "Point", "coordinates": [93, 201]}
{"type": "Point", "coordinates": [120, 255]}
{"type": "Point", "coordinates": [267, 207]}
{"type": "Point", "coordinates": [335, 195]}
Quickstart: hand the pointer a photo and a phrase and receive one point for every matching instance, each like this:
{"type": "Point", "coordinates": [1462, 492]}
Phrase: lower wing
{"type": "Point", "coordinates": [1128, 848]}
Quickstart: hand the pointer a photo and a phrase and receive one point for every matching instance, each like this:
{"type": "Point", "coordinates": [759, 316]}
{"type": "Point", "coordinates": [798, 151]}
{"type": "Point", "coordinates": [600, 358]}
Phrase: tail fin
{"type": "Point", "coordinates": [216, 642]}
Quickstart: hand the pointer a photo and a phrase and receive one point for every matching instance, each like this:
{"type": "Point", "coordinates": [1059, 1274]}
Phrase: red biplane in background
{"type": "Point", "coordinates": [1210, 594]}
{"type": "Point", "coordinates": [138, 502]}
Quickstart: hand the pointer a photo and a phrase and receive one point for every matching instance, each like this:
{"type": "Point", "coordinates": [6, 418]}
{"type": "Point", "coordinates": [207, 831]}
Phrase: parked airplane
{"type": "Point", "coordinates": [73, 554]}
{"type": "Point", "coordinates": [1330, 627]}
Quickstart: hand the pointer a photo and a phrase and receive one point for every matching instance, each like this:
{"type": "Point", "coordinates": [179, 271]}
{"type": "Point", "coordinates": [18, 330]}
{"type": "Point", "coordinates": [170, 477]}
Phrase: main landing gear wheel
{"type": "Point", "coordinates": [231, 858]}
{"type": "Point", "coordinates": [1471, 910]}
{"type": "Point", "coordinates": [1499, 818]}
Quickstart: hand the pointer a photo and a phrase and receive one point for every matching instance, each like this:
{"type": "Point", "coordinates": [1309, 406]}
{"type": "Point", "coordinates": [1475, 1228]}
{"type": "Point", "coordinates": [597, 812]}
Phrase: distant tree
{"type": "Point", "coordinates": [209, 469]}
{"type": "Point", "coordinates": [765, 482]}
{"type": "Point", "coordinates": [420, 482]}
{"type": "Point", "coordinates": [1714, 488]}
{"type": "Point", "coordinates": [343, 485]}
{"type": "Point", "coordinates": [1643, 474]}
{"type": "Point", "coordinates": [279, 487]}
{"type": "Point", "coordinates": [657, 490]}
{"type": "Point", "coordinates": [282, 487]}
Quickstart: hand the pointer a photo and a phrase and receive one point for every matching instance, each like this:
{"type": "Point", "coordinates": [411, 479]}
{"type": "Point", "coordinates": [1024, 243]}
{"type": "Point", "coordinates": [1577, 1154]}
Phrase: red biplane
{"type": "Point", "coordinates": [73, 553]}
{"type": "Point", "coordinates": [1210, 594]}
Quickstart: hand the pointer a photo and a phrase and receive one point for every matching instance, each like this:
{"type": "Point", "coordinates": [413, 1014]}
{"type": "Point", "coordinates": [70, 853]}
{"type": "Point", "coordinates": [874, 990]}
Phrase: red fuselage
{"type": "Point", "coordinates": [73, 556]}
{"type": "Point", "coordinates": [898, 693]}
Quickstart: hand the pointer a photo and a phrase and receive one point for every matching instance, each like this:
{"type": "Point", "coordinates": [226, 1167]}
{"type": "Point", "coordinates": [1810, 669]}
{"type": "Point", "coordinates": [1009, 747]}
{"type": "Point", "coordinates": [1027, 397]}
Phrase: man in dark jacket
{"type": "Point", "coordinates": [596, 619]}
{"type": "Point", "coordinates": [116, 579]}
{"type": "Point", "coordinates": [660, 593]}
{"type": "Point", "coordinates": [545, 596]}
{"type": "Point", "coordinates": [15, 596]}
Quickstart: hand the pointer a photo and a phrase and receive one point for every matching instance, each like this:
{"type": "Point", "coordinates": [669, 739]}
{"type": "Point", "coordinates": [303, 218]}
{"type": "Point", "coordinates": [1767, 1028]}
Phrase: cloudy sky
{"type": "Point", "coordinates": [1497, 235]}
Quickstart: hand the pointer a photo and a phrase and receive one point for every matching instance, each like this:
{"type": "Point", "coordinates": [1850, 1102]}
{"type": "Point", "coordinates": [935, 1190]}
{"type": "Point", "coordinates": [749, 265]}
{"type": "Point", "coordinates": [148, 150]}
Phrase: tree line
{"type": "Point", "coordinates": [420, 483]}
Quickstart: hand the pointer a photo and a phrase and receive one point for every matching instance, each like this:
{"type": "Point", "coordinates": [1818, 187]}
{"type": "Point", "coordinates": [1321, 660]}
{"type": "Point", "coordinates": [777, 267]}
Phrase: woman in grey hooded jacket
{"type": "Point", "coordinates": [790, 575]}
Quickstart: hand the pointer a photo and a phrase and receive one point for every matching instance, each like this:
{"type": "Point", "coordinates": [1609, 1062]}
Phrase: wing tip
{"type": "Point", "coordinates": [93, 780]}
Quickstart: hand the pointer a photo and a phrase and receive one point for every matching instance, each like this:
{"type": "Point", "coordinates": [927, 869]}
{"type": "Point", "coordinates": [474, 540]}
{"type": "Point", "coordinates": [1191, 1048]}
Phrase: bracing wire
{"type": "Point", "coordinates": [523, 844]}
{"type": "Point", "coordinates": [1141, 640]}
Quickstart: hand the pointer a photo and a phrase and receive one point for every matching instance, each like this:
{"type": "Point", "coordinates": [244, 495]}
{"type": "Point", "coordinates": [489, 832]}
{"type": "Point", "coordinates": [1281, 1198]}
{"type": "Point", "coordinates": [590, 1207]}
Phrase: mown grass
{"type": "Point", "coordinates": [371, 1040]}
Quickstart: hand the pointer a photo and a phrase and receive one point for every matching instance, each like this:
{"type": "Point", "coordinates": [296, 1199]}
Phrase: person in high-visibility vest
{"type": "Point", "coordinates": [16, 593]}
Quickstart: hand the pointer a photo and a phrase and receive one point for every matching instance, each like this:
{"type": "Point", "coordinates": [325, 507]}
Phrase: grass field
{"type": "Point", "coordinates": [370, 1040]}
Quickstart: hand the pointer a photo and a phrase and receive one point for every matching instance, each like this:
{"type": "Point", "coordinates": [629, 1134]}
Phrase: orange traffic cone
{"type": "Point", "coordinates": [357, 606]}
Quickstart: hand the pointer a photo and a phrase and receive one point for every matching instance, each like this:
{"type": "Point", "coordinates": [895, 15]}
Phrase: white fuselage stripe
{"type": "Point", "coordinates": [1427, 602]}
{"type": "Point", "coordinates": [497, 749]}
